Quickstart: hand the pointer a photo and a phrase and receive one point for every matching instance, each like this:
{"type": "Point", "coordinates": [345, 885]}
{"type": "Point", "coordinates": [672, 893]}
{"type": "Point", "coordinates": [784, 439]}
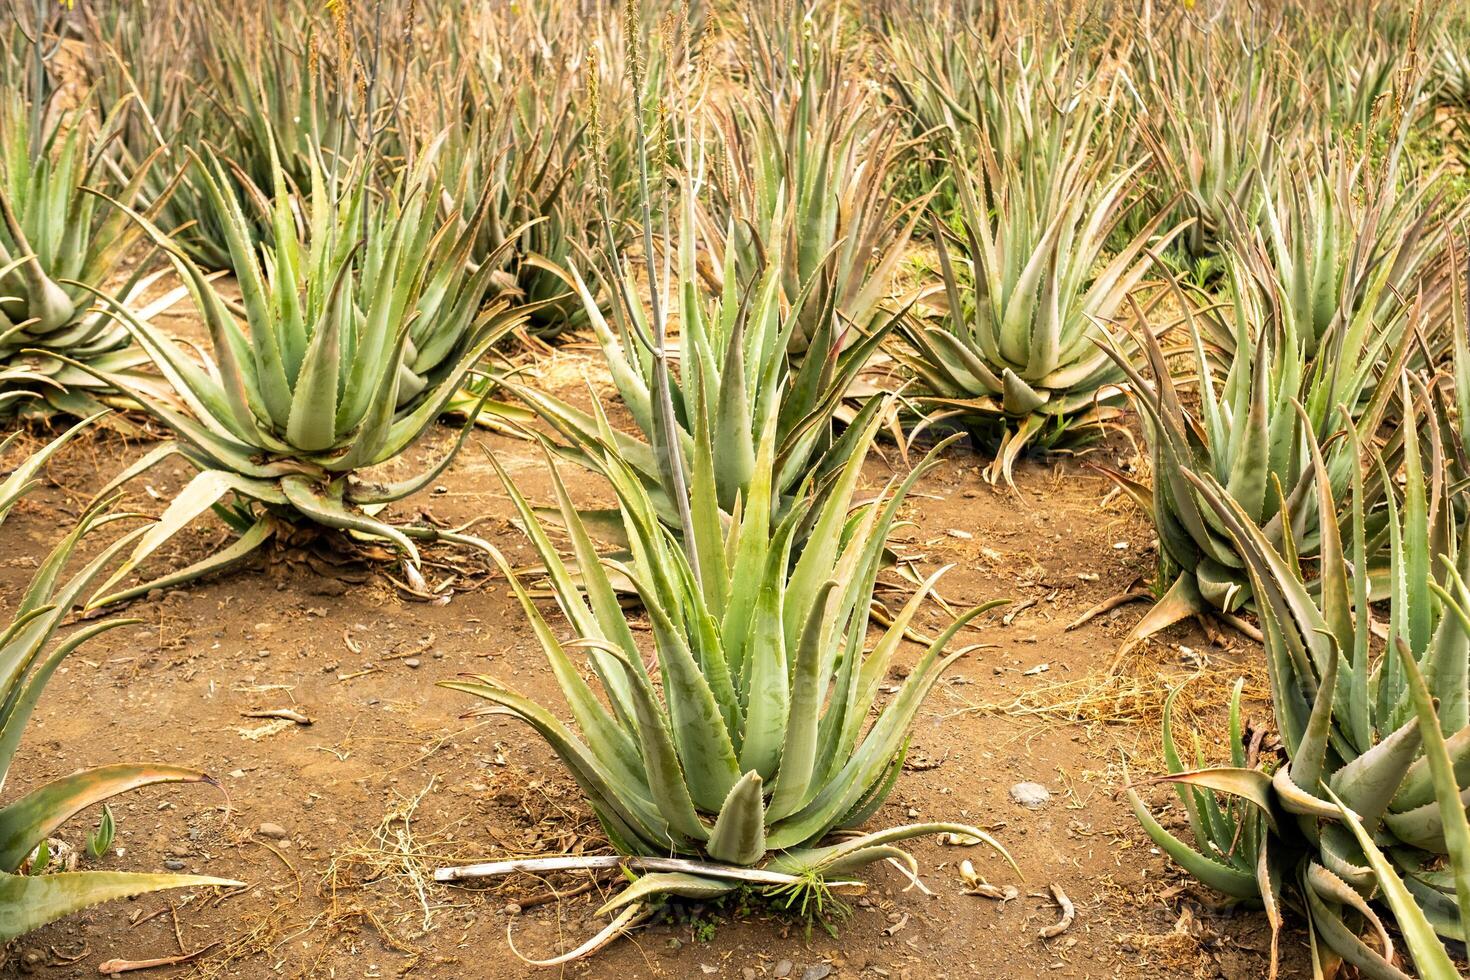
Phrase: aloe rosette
{"type": "Point", "coordinates": [350, 349]}
{"type": "Point", "coordinates": [804, 171]}
{"type": "Point", "coordinates": [1366, 811]}
{"type": "Point", "coordinates": [759, 748]}
{"type": "Point", "coordinates": [1019, 357]}
{"type": "Point", "coordinates": [1346, 246]}
{"type": "Point", "coordinates": [737, 377]}
{"type": "Point", "coordinates": [1242, 427]}
{"type": "Point", "coordinates": [58, 241]}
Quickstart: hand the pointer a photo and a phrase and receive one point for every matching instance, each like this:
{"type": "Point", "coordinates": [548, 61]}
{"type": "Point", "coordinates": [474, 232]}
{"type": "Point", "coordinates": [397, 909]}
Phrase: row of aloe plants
{"type": "Point", "coordinates": [1073, 160]}
{"type": "Point", "coordinates": [1302, 382]}
{"type": "Point", "coordinates": [363, 307]}
{"type": "Point", "coordinates": [363, 280]}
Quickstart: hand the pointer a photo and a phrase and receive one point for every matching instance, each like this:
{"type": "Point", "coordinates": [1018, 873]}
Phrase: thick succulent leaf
{"type": "Point", "coordinates": [1248, 784]}
{"type": "Point", "coordinates": [1327, 922]}
{"type": "Point", "coordinates": [808, 691]}
{"type": "Point", "coordinates": [748, 566]}
{"type": "Point", "coordinates": [870, 762]}
{"type": "Point", "coordinates": [1293, 799]}
{"type": "Point", "coordinates": [857, 684]}
{"type": "Point", "coordinates": [637, 820]}
{"type": "Point", "coordinates": [312, 422]}
{"type": "Point", "coordinates": [1430, 957]}
{"type": "Point", "coordinates": [1418, 786]}
{"type": "Point", "coordinates": [27, 903]}
{"type": "Point", "coordinates": [739, 834]}
{"type": "Point", "coordinates": [858, 851]}
{"type": "Point", "coordinates": [1446, 663]}
{"type": "Point", "coordinates": [406, 427]}
{"type": "Point", "coordinates": [329, 509]}
{"type": "Point", "coordinates": [1456, 829]}
{"type": "Point", "coordinates": [1369, 782]}
{"type": "Point", "coordinates": [677, 883]}
{"type": "Point", "coordinates": [34, 816]}
{"type": "Point", "coordinates": [611, 743]}
{"type": "Point", "coordinates": [1222, 878]}
{"type": "Point", "coordinates": [1334, 889]}
{"type": "Point", "coordinates": [666, 778]}
{"type": "Point", "coordinates": [767, 688]}
{"type": "Point", "coordinates": [705, 747]}
{"type": "Point", "coordinates": [199, 495]}
{"type": "Point", "coordinates": [1286, 605]}
{"type": "Point", "coordinates": [821, 548]}
{"type": "Point", "coordinates": [1440, 906]}
{"type": "Point", "coordinates": [362, 493]}
{"type": "Point", "coordinates": [1268, 879]}
{"type": "Point", "coordinates": [1180, 602]}
{"type": "Point", "coordinates": [1309, 761]}
{"type": "Point", "coordinates": [234, 553]}
{"type": "Point", "coordinates": [863, 810]}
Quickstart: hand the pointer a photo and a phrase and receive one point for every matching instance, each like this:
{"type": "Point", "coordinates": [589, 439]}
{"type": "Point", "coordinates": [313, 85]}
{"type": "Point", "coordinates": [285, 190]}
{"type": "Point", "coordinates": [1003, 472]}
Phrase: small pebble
{"type": "Point", "coordinates": [273, 831]}
{"type": "Point", "coordinates": [174, 864]}
{"type": "Point", "coordinates": [411, 662]}
{"type": "Point", "coordinates": [783, 969]}
{"type": "Point", "coordinates": [1030, 795]}
{"type": "Point", "coordinates": [818, 972]}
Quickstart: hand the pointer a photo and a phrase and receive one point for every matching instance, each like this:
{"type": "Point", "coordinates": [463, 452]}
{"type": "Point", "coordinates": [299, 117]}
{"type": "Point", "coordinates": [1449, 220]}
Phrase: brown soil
{"type": "Point", "coordinates": [390, 781]}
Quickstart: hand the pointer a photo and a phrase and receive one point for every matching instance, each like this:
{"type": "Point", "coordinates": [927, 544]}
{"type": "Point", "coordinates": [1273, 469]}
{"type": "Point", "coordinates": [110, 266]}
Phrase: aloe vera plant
{"type": "Point", "coordinates": [760, 746]}
{"type": "Point", "coordinates": [1366, 810]}
{"type": "Point", "coordinates": [530, 153]}
{"type": "Point", "coordinates": [350, 350]}
{"type": "Point", "coordinates": [963, 84]}
{"type": "Point", "coordinates": [1212, 122]}
{"type": "Point", "coordinates": [1020, 356]}
{"type": "Point", "coordinates": [737, 376]}
{"type": "Point", "coordinates": [1247, 434]}
{"type": "Point", "coordinates": [1347, 244]}
{"type": "Point", "coordinates": [30, 653]}
{"type": "Point", "coordinates": [58, 241]}
{"type": "Point", "coordinates": [803, 172]}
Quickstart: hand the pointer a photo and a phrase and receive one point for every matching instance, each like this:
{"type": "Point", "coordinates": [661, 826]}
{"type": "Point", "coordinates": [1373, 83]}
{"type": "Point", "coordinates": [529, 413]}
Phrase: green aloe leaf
{"type": "Point", "coordinates": [739, 834]}
{"type": "Point", "coordinates": [669, 883]}
{"type": "Point", "coordinates": [1430, 957]}
{"type": "Point", "coordinates": [1446, 788]}
{"type": "Point", "coordinates": [27, 903]}
{"type": "Point", "coordinates": [34, 816]}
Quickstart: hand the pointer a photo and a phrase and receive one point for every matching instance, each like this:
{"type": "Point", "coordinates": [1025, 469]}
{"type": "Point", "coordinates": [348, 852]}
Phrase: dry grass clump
{"type": "Point", "coordinates": [1133, 695]}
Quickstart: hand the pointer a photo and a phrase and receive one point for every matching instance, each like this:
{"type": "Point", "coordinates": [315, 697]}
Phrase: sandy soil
{"type": "Point", "coordinates": [389, 781]}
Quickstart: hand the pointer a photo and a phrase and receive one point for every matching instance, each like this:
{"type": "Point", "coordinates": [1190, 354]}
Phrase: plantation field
{"type": "Point", "coordinates": [388, 782]}
{"type": "Point", "coordinates": [911, 489]}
